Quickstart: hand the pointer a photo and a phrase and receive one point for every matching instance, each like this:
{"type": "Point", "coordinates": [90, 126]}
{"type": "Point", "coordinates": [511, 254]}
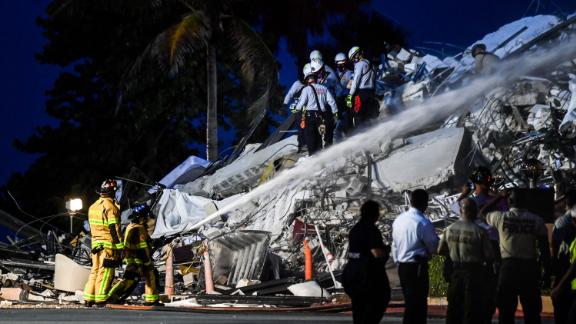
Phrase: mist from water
{"type": "Point", "coordinates": [433, 110]}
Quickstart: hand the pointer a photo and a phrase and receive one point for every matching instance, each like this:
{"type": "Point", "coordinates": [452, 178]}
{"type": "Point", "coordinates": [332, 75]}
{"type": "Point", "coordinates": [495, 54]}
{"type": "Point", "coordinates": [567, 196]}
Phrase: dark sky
{"type": "Point", "coordinates": [23, 82]}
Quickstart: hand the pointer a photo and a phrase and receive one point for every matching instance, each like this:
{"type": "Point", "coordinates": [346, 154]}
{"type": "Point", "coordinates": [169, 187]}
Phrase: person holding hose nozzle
{"type": "Point", "coordinates": [138, 260]}
{"type": "Point", "coordinates": [104, 219]}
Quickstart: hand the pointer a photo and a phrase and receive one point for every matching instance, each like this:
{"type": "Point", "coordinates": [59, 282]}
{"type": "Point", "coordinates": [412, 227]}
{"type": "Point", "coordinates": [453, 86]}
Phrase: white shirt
{"type": "Point", "coordinates": [345, 77]}
{"type": "Point", "coordinates": [308, 100]}
{"type": "Point", "coordinates": [296, 86]}
{"type": "Point", "coordinates": [413, 235]}
{"type": "Point", "coordinates": [363, 76]}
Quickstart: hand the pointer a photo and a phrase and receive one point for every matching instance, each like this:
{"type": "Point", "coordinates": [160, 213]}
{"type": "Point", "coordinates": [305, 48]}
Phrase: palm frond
{"type": "Point", "coordinates": [258, 67]}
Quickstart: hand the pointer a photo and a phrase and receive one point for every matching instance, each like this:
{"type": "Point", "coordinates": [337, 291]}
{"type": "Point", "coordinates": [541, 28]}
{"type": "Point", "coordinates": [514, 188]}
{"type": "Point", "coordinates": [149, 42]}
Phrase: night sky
{"type": "Point", "coordinates": [23, 81]}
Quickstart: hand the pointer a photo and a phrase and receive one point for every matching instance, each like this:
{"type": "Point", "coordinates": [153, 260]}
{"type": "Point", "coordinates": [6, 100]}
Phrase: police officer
{"type": "Point", "coordinates": [468, 247]}
{"type": "Point", "coordinates": [345, 77]}
{"type": "Point", "coordinates": [522, 235]}
{"type": "Point", "coordinates": [566, 289]}
{"type": "Point", "coordinates": [362, 98]}
{"type": "Point", "coordinates": [138, 260]}
{"type": "Point", "coordinates": [364, 276]}
{"type": "Point", "coordinates": [290, 100]}
{"type": "Point", "coordinates": [312, 103]}
{"type": "Point", "coordinates": [104, 219]}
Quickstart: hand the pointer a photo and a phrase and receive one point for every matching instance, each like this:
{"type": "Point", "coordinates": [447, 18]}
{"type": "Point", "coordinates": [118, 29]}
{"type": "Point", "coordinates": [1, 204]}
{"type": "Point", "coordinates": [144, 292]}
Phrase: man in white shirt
{"type": "Point", "coordinates": [312, 103]}
{"type": "Point", "coordinates": [414, 241]}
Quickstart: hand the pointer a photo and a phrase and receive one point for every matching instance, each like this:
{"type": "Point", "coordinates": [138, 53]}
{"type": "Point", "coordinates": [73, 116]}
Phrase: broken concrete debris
{"type": "Point", "coordinates": [254, 255]}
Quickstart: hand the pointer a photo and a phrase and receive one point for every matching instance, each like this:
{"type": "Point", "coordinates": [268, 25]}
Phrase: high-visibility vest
{"type": "Point", "coordinates": [573, 260]}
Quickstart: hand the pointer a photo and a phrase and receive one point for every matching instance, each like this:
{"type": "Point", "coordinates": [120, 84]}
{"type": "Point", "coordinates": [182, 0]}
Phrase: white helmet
{"type": "Point", "coordinates": [353, 52]}
{"type": "Point", "coordinates": [307, 71]}
{"type": "Point", "coordinates": [315, 55]}
{"type": "Point", "coordinates": [340, 57]}
{"type": "Point", "coordinates": [316, 65]}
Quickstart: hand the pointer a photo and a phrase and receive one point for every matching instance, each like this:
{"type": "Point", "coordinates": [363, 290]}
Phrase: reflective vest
{"type": "Point", "coordinates": [573, 260]}
{"type": "Point", "coordinates": [104, 219]}
{"type": "Point", "coordinates": [136, 247]}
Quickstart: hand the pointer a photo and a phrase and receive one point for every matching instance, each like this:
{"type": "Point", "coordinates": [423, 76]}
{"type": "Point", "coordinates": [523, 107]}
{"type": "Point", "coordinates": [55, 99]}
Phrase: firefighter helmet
{"type": "Point", "coordinates": [140, 211]}
{"type": "Point", "coordinates": [315, 55]}
{"type": "Point", "coordinates": [340, 58]}
{"type": "Point", "coordinates": [108, 187]}
{"type": "Point", "coordinates": [353, 52]}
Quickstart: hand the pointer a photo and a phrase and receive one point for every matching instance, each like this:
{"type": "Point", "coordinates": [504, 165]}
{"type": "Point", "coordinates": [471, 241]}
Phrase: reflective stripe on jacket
{"type": "Point", "coordinates": [104, 219]}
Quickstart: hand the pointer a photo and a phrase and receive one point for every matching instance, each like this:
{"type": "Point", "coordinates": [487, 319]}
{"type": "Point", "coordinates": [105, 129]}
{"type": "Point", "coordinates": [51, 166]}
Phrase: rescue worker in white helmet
{"type": "Point", "coordinates": [312, 103]}
{"type": "Point", "coordinates": [330, 81]}
{"type": "Point", "coordinates": [104, 219]}
{"type": "Point", "coordinates": [345, 124]}
{"type": "Point", "coordinates": [362, 97]}
{"type": "Point", "coordinates": [290, 100]}
{"type": "Point", "coordinates": [138, 260]}
{"type": "Point", "coordinates": [326, 75]}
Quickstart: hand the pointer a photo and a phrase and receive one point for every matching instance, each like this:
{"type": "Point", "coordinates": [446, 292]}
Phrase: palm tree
{"type": "Point", "coordinates": [207, 27]}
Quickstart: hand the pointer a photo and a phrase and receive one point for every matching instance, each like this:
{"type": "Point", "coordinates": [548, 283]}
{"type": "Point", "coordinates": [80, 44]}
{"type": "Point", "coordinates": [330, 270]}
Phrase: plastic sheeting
{"type": "Point", "coordinates": [177, 212]}
{"type": "Point", "coordinates": [187, 171]}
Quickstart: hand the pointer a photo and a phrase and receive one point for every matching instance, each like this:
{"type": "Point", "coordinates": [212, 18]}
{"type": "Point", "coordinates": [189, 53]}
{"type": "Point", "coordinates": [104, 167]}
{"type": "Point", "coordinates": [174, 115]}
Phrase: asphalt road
{"type": "Point", "coordinates": [106, 316]}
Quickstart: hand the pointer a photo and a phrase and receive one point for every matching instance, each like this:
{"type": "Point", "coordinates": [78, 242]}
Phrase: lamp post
{"type": "Point", "coordinates": [73, 205]}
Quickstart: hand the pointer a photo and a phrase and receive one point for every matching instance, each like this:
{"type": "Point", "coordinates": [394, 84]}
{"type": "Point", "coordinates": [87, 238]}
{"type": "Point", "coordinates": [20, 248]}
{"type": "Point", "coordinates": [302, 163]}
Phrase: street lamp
{"type": "Point", "coordinates": [73, 206]}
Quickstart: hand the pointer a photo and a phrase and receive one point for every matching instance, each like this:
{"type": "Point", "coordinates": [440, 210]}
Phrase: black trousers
{"type": "Point", "coordinates": [562, 305]}
{"type": "Point", "coordinates": [368, 309]}
{"type": "Point", "coordinates": [330, 124]}
{"type": "Point", "coordinates": [571, 316]}
{"type": "Point", "coordinates": [466, 299]}
{"type": "Point", "coordinates": [311, 134]}
{"type": "Point", "coordinates": [519, 278]}
{"type": "Point", "coordinates": [368, 107]}
{"type": "Point", "coordinates": [415, 285]}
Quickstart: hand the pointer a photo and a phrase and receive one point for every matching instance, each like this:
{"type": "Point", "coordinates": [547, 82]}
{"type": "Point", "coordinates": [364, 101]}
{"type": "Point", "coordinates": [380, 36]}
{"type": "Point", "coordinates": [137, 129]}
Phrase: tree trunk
{"type": "Point", "coordinates": [212, 104]}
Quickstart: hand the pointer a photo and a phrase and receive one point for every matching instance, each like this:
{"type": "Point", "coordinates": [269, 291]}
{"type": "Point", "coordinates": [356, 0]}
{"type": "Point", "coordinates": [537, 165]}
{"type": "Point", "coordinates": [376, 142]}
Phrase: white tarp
{"type": "Point", "coordinates": [177, 211]}
{"type": "Point", "coordinates": [187, 171]}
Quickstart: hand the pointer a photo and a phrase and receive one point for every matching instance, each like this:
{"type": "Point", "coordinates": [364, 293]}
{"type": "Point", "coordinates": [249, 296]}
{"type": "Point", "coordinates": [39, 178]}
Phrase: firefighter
{"type": "Point", "coordinates": [104, 219]}
{"type": "Point", "coordinates": [362, 98]}
{"type": "Point", "coordinates": [345, 77]}
{"type": "Point", "coordinates": [290, 101]}
{"type": "Point", "coordinates": [312, 103]}
{"type": "Point", "coordinates": [138, 260]}
{"type": "Point", "coordinates": [522, 235]}
{"type": "Point", "coordinates": [468, 247]}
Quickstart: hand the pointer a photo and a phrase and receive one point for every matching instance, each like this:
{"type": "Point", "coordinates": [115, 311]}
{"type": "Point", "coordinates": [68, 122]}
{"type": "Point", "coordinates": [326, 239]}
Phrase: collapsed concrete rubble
{"type": "Point", "coordinates": [254, 254]}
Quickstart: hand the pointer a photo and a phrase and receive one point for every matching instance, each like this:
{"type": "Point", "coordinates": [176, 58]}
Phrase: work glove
{"type": "Point", "coordinates": [293, 108]}
{"type": "Point", "coordinates": [336, 117]}
{"type": "Point", "coordinates": [349, 101]}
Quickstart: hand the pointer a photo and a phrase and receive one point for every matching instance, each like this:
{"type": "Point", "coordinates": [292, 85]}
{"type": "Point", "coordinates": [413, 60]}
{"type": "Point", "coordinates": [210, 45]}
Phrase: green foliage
{"type": "Point", "coordinates": [438, 286]}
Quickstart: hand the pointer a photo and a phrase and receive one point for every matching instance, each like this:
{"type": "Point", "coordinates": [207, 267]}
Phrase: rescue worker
{"type": "Point", "coordinates": [138, 260]}
{"type": "Point", "coordinates": [522, 235]}
{"type": "Point", "coordinates": [566, 288]}
{"type": "Point", "coordinates": [414, 241]}
{"type": "Point", "coordinates": [290, 100]}
{"type": "Point", "coordinates": [485, 62]}
{"type": "Point", "coordinates": [312, 103]}
{"type": "Point", "coordinates": [345, 77]}
{"type": "Point", "coordinates": [316, 56]}
{"type": "Point", "coordinates": [330, 81]}
{"type": "Point", "coordinates": [563, 234]}
{"type": "Point", "coordinates": [104, 219]}
{"type": "Point", "coordinates": [362, 98]}
{"type": "Point", "coordinates": [468, 247]}
{"type": "Point", "coordinates": [364, 276]}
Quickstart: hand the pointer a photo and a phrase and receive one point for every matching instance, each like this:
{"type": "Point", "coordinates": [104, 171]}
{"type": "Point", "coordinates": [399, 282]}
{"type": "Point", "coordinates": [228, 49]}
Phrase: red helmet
{"type": "Point", "coordinates": [108, 187]}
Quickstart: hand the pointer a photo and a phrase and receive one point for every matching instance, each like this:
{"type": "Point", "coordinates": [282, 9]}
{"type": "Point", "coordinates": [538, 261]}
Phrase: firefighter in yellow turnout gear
{"type": "Point", "coordinates": [138, 260]}
{"type": "Point", "coordinates": [104, 219]}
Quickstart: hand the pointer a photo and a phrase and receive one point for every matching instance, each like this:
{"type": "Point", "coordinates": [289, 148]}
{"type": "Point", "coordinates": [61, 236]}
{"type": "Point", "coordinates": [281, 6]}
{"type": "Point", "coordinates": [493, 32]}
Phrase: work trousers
{"type": "Point", "coordinates": [562, 305]}
{"type": "Point", "coordinates": [101, 276]}
{"type": "Point", "coordinates": [489, 291]}
{"type": "Point", "coordinates": [365, 107]}
{"type": "Point", "coordinates": [519, 278]}
{"type": "Point", "coordinates": [132, 275]}
{"type": "Point", "coordinates": [330, 125]}
{"type": "Point", "coordinates": [311, 133]}
{"type": "Point", "coordinates": [466, 299]}
{"type": "Point", "coordinates": [415, 285]}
